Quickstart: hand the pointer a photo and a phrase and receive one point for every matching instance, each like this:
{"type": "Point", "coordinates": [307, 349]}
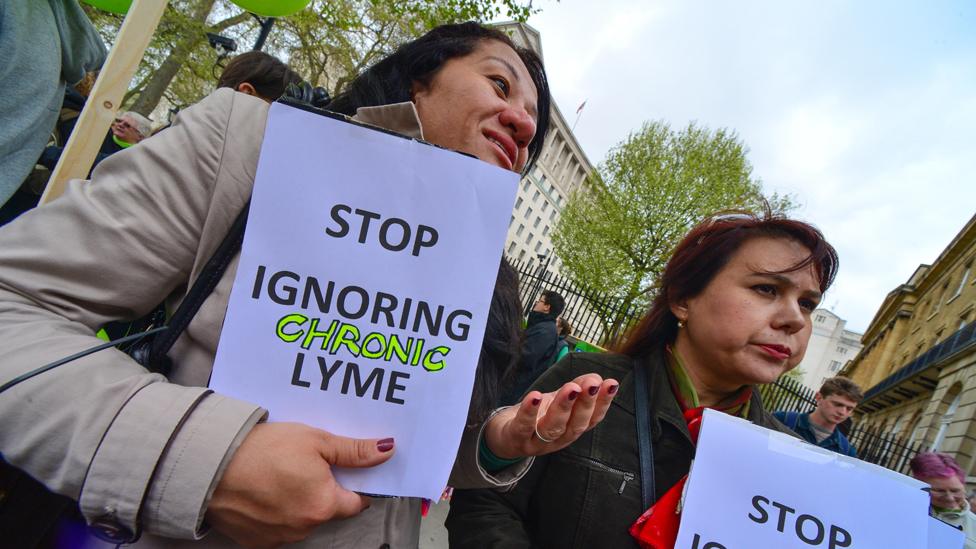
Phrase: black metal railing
{"type": "Point", "coordinates": [590, 313]}
{"type": "Point", "coordinates": [888, 450]}
{"type": "Point", "coordinates": [787, 395]}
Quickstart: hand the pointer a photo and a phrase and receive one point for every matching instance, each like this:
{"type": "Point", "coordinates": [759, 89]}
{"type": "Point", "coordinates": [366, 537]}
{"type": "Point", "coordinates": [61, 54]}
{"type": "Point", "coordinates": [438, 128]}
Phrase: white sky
{"type": "Point", "coordinates": [865, 111]}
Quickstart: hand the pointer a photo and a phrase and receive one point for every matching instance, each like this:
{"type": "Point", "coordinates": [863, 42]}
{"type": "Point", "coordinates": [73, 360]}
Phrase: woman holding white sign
{"type": "Point", "coordinates": [732, 311]}
{"type": "Point", "coordinates": [166, 457]}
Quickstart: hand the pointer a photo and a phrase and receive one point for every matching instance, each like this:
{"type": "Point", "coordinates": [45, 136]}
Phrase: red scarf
{"type": "Point", "coordinates": [657, 528]}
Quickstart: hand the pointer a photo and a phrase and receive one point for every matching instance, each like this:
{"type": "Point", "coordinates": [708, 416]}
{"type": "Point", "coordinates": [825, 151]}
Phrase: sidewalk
{"type": "Point", "coordinates": [433, 535]}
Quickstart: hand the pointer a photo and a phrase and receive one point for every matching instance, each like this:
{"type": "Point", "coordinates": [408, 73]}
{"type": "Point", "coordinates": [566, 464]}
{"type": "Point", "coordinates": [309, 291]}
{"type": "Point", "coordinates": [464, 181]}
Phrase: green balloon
{"type": "Point", "coordinates": [115, 6]}
{"type": "Point", "coordinates": [273, 8]}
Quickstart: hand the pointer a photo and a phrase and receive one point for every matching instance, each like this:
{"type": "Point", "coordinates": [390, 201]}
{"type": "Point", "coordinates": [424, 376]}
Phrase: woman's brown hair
{"type": "Point", "coordinates": [703, 252]}
{"type": "Point", "coordinates": [268, 74]}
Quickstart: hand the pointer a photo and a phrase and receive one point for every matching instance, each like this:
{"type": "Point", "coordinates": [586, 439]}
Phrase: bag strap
{"type": "Point", "coordinates": [792, 419]}
{"type": "Point", "coordinates": [644, 447]}
{"type": "Point", "coordinates": [203, 286]}
{"type": "Point", "coordinates": [845, 445]}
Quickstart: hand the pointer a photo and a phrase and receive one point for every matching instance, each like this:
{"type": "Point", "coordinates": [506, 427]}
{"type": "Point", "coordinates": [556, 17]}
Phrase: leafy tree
{"type": "Point", "coordinates": [327, 43]}
{"type": "Point", "coordinates": [652, 188]}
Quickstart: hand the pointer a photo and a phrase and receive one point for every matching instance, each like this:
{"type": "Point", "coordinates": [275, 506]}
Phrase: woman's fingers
{"type": "Point", "coordinates": [608, 390]}
{"type": "Point", "coordinates": [545, 422]}
{"type": "Point", "coordinates": [577, 407]}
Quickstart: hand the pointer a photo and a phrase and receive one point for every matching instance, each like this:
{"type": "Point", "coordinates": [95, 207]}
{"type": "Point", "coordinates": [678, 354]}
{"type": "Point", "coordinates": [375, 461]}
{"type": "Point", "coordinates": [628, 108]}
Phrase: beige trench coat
{"type": "Point", "coordinates": [124, 442]}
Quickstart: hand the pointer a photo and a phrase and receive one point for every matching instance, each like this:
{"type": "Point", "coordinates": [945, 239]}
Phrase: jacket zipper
{"type": "Point", "coordinates": [626, 476]}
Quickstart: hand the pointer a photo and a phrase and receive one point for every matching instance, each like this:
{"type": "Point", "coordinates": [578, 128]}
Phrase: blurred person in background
{"type": "Point", "coordinates": [947, 491]}
{"type": "Point", "coordinates": [836, 401]}
{"type": "Point", "coordinates": [46, 44]}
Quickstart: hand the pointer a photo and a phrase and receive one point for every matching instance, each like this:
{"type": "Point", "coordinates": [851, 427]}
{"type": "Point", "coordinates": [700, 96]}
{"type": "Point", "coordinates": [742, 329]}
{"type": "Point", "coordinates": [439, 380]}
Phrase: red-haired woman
{"type": "Point", "coordinates": [732, 311]}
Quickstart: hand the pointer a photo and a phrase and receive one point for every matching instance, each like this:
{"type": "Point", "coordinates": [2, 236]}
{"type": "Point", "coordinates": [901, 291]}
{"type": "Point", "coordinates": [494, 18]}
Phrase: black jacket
{"type": "Point", "coordinates": [588, 494]}
{"type": "Point", "coordinates": [539, 350]}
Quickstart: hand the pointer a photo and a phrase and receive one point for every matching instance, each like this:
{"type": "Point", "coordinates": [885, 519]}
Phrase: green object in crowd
{"type": "Point", "coordinates": [114, 6]}
{"type": "Point", "coordinates": [584, 347]}
{"type": "Point", "coordinates": [267, 8]}
{"type": "Point", "coordinates": [273, 8]}
{"type": "Point", "coordinates": [102, 334]}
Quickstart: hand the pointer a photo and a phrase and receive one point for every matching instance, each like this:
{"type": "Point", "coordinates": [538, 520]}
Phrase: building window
{"type": "Point", "coordinates": [538, 246]}
{"type": "Point", "coordinates": [842, 350]}
{"type": "Point", "coordinates": [528, 239]}
{"type": "Point", "coordinates": [511, 248]}
{"type": "Point", "coordinates": [821, 318]}
{"type": "Point", "coordinates": [525, 186]}
{"type": "Point", "coordinates": [521, 255]}
{"type": "Point", "coordinates": [552, 214]}
{"type": "Point", "coordinates": [518, 232]}
{"type": "Point", "coordinates": [963, 280]}
{"type": "Point", "coordinates": [510, 221]}
{"type": "Point", "coordinates": [537, 221]}
{"type": "Point", "coordinates": [535, 196]}
{"type": "Point", "coordinates": [518, 203]}
{"type": "Point", "coordinates": [545, 204]}
{"type": "Point", "coordinates": [946, 421]}
{"type": "Point", "coordinates": [942, 295]}
{"type": "Point", "coordinates": [528, 213]}
{"type": "Point", "coordinates": [834, 365]}
{"type": "Point", "coordinates": [545, 230]}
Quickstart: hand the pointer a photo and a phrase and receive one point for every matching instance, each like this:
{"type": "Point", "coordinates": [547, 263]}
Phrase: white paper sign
{"type": "Point", "coordinates": [360, 301]}
{"type": "Point", "coordinates": [751, 487]}
{"type": "Point", "coordinates": [944, 536]}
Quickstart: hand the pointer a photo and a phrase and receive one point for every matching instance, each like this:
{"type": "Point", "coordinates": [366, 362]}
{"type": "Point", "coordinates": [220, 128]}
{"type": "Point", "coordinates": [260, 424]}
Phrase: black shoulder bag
{"type": "Point", "coordinates": [29, 512]}
{"type": "Point", "coordinates": [645, 446]}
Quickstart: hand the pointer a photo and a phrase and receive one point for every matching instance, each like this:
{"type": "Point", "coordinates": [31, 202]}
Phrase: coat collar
{"type": "Point", "coordinates": [664, 406]}
{"type": "Point", "coordinates": [401, 118]}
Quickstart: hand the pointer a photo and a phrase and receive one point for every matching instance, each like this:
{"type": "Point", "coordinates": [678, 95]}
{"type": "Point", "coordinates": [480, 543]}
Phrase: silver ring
{"type": "Point", "coordinates": [542, 438]}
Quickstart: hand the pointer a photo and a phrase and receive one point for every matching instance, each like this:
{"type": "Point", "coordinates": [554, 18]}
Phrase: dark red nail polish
{"type": "Point", "coordinates": [594, 390]}
{"type": "Point", "coordinates": [573, 395]}
{"type": "Point", "coordinates": [384, 445]}
{"type": "Point", "coordinates": [613, 389]}
{"type": "Point", "coordinates": [536, 401]}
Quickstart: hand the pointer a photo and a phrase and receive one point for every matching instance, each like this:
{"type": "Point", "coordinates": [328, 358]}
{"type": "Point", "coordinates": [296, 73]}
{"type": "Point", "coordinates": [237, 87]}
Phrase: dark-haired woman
{"type": "Point", "coordinates": [259, 74]}
{"type": "Point", "coordinates": [733, 310]}
{"type": "Point", "coordinates": [165, 456]}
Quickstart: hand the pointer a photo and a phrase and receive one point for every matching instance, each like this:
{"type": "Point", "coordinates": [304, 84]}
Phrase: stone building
{"type": "Point", "coordinates": [831, 347]}
{"type": "Point", "coordinates": [561, 170]}
{"type": "Point", "coordinates": [918, 364]}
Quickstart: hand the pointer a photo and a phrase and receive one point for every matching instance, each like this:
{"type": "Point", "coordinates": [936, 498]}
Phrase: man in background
{"type": "Point", "coordinates": [836, 401]}
{"type": "Point", "coordinates": [539, 346]}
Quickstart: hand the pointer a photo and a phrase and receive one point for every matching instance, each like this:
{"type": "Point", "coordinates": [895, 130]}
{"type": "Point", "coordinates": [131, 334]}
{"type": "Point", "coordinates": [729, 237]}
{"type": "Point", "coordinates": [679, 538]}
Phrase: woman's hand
{"type": "Point", "coordinates": [559, 417]}
{"type": "Point", "coordinates": [279, 486]}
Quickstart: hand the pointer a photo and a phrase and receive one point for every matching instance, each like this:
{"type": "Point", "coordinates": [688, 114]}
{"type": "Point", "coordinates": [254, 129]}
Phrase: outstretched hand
{"type": "Point", "coordinates": [545, 423]}
{"type": "Point", "coordinates": [279, 486]}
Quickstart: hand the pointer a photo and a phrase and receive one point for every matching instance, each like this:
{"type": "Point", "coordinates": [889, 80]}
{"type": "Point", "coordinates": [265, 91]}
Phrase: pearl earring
{"type": "Point", "coordinates": [681, 324]}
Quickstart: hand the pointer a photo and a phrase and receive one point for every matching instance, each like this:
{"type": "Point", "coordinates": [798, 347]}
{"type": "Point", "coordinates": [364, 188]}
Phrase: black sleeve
{"type": "Point", "coordinates": [493, 519]}
{"type": "Point", "coordinates": [540, 341]}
